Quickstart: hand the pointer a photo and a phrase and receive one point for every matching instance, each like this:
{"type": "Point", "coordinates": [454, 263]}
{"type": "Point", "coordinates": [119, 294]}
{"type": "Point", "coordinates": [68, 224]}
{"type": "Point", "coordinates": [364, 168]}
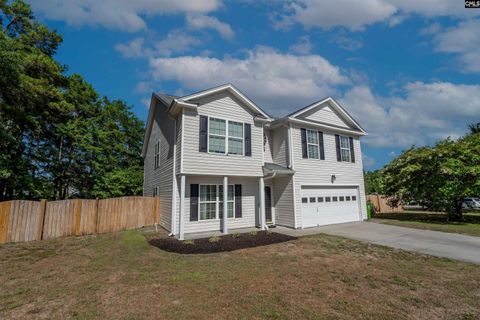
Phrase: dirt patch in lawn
{"type": "Point", "coordinates": [220, 244]}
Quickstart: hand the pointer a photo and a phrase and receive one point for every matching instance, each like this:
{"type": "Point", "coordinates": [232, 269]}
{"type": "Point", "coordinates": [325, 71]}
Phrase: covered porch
{"type": "Point", "coordinates": [202, 201]}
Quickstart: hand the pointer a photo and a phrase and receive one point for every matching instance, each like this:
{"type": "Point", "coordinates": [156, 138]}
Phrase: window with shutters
{"type": "Point", "coordinates": [312, 144]}
{"type": "Point", "coordinates": [345, 149]}
{"type": "Point", "coordinates": [157, 155]}
{"type": "Point", "coordinates": [211, 201]}
{"type": "Point", "coordinates": [225, 136]}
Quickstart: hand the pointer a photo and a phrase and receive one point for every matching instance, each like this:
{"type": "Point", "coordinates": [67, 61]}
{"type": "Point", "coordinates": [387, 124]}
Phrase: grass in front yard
{"type": "Point", "coordinates": [432, 221]}
{"type": "Point", "coordinates": [120, 276]}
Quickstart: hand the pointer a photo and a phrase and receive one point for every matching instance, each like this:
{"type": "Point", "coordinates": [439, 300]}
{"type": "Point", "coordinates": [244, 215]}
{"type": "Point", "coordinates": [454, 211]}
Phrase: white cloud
{"type": "Point", "coordinates": [175, 42]}
{"type": "Point", "coordinates": [124, 15]}
{"type": "Point", "coordinates": [274, 80]}
{"type": "Point", "coordinates": [132, 49]}
{"type": "Point", "coordinates": [303, 46]}
{"type": "Point", "coordinates": [464, 40]}
{"type": "Point", "coordinates": [356, 15]}
{"type": "Point", "coordinates": [201, 21]}
{"type": "Point", "coordinates": [425, 113]}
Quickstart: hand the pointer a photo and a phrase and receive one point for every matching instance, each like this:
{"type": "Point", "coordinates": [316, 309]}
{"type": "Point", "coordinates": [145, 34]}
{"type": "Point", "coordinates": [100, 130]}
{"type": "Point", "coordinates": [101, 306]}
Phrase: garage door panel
{"type": "Point", "coordinates": [324, 205]}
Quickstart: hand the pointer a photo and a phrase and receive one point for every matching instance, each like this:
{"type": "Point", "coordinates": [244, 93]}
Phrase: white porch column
{"type": "Point", "coordinates": [261, 186]}
{"type": "Point", "coordinates": [181, 233]}
{"type": "Point", "coordinates": [225, 206]}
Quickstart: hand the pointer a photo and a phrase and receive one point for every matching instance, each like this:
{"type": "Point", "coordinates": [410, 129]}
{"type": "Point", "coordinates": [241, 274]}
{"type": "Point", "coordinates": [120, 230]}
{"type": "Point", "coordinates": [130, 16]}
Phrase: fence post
{"type": "Point", "coordinates": [4, 217]}
{"type": "Point", "coordinates": [78, 216]}
{"type": "Point", "coordinates": [96, 215]}
{"type": "Point", "coordinates": [43, 209]}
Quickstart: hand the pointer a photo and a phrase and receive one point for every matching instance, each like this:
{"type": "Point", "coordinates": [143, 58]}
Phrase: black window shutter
{"type": "Point", "coordinates": [320, 144]}
{"type": "Point", "coordinates": [304, 142]}
{"type": "Point", "coordinates": [248, 139]}
{"type": "Point", "coordinates": [337, 146]}
{"type": "Point", "coordinates": [203, 134]}
{"type": "Point", "coordinates": [238, 201]}
{"type": "Point", "coordinates": [194, 202]}
{"type": "Point", "coordinates": [352, 153]}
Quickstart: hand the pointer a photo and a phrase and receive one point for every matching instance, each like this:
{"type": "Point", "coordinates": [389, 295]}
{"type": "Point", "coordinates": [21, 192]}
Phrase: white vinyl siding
{"type": "Point", "coordinates": [267, 146]}
{"type": "Point", "coordinates": [280, 146]}
{"type": "Point", "coordinates": [160, 179]}
{"type": "Point", "coordinates": [326, 115]}
{"type": "Point", "coordinates": [283, 201]}
{"type": "Point", "coordinates": [346, 173]}
{"type": "Point", "coordinates": [221, 106]}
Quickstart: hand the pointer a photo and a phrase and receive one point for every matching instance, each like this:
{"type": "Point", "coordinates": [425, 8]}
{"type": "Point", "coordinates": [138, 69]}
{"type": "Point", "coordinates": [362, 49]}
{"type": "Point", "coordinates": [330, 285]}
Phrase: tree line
{"type": "Point", "coordinates": [437, 177]}
{"type": "Point", "coordinates": [58, 137]}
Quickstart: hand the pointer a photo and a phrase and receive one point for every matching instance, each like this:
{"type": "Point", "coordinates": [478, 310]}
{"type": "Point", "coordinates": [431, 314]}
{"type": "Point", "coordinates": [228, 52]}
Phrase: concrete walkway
{"type": "Point", "coordinates": [440, 244]}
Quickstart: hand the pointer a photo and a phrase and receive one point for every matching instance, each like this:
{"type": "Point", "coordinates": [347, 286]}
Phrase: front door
{"type": "Point", "coordinates": [268, 205]}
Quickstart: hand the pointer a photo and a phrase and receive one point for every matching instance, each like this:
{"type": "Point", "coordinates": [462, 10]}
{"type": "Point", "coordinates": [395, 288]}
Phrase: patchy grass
{"type": "Point", "coordinates": [120, 276]}
{"type": "Point", "coordinates": [432, 221]}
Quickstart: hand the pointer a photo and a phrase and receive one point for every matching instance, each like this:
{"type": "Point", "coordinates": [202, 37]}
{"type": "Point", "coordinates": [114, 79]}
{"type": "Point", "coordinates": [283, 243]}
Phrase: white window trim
{"type": "Point", "coordinates": [345, 148]}
{"type": "Point", "coordinates": [156, 156]}
{"type": "Point", "coordinates": [226, 136]}
{"type": "Point", "coordinates": [217, 201]}
{"type": "Point", "coordinates": [312, 144]}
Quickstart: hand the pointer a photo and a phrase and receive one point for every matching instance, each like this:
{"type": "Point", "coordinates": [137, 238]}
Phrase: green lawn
{"type": "Point", "coordinates": [432, 221]}
{"type": "Point", "coordinates": [120, 276]}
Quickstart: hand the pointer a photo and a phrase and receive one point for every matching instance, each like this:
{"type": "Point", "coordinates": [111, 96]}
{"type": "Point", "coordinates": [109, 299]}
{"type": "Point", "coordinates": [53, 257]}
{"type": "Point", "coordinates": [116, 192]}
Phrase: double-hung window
{"type": "Point", "coordinates": [235, 137]}
{"type": "Point", "coordinates": [225, 137]}
{"type": "Point", "coordinates": [312, 144]}
{"type": "Point", "coordinates": [211, 201]}
{"type": "Point", "coordinates": [217, 135]}
{"type": "Point", "coordinates": [157, 155]}
{"type": "Point", "coordinates": [345, 148]}
{"type": "Point", "coordinates": [208, 202]}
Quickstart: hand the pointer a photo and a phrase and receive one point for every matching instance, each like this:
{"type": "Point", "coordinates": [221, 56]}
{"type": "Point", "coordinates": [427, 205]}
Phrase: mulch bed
{"type": "Point", "coordinates": [220, 244]}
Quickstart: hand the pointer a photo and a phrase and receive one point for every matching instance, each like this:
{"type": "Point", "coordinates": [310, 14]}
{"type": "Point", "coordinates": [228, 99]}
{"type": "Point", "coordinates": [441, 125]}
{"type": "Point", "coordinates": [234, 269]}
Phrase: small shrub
{"type": "Point", "coordinates": [214, 239]}
{"type": "Point", "coordinates": [253, 233]}
{"type": "Point", "coordinates": [235, 235]}
{"type": "Point", "coordinates": [189, 242]}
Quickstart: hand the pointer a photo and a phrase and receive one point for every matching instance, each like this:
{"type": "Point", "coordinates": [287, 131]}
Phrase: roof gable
{"type": "Point", "coordinates": [233, 91]}
{"type": "Point", "coordinates": [328, 112]}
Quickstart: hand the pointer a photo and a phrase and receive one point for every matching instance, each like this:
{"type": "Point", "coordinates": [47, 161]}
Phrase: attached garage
{"type": "Point", "coordinates": [327, 205]}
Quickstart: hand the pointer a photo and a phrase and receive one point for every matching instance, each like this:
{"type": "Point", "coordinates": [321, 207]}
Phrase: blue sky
{"type": "Point", "coordinates": [407, 70]}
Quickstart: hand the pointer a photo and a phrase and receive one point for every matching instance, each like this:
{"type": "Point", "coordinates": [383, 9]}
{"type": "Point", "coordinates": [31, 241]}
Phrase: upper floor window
{"type": "Point", "coordinates": [345, 148]}
{"type": "Point", "coordinates": [157, 155]}
{"type": "Point", "coordinates": [225, 137]}
{"type": "Point", "coordinates": [312, 144]}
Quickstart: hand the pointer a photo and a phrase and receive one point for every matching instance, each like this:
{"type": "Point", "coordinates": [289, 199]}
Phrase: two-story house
{"type": "Point", "coordinates": [216, 151]}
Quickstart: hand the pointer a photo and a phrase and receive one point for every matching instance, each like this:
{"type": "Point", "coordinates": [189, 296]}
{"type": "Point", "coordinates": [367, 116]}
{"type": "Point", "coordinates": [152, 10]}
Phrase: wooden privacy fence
{"type": "Point", "coordinates": [380, 204]}
{"type": "Point", "coordinates": [23, 220]}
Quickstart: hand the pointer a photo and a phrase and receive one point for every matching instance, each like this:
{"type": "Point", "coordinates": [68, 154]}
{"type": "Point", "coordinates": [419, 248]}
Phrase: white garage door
{"type": "Point", "coordinates": [321, 206]}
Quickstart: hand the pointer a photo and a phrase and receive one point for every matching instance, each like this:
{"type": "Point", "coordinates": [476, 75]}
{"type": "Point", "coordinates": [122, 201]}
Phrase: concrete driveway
{"type": "Point", "coordinates": [440, 244]}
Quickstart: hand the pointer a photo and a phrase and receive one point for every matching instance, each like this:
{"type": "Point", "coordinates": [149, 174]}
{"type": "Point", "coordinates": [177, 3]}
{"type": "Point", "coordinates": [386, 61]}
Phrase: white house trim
{"type": "Point", "coordinates": [335, 105]}
{"type": "Point", "coordinates": [229, 87]}
{"type": "Point", "coordinates": [327, 127]}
